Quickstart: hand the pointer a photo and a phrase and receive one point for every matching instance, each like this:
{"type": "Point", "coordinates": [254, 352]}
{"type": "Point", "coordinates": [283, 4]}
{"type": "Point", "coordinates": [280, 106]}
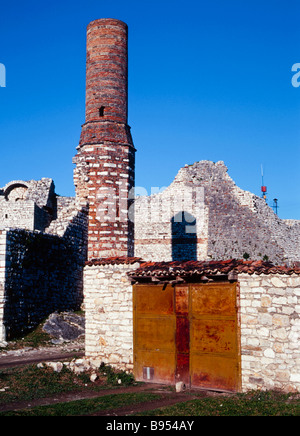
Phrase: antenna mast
{"type": "Point", "coordinates": [263, 187]}
{"type": "Point", "coordinates": [275, 205]}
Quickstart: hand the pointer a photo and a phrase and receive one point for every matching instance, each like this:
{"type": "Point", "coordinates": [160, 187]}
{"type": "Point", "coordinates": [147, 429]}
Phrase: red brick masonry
{"type": "Point", "coordinates": [105, 160]}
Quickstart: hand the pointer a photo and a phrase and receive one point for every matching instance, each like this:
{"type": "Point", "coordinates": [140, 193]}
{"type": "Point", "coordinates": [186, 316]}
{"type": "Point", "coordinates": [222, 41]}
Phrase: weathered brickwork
{"type": "Point", "coordinates": [270, 331]}
{"type": "Point", "coordinates": [230, 222]}
{"type": "Point", "coordinates": [104, 173]}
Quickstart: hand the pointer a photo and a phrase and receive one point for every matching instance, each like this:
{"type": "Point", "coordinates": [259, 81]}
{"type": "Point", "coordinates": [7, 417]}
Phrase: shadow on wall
{"type": "Point", "coordinates": [184, 237]}
{"type": "Point", "coordinates": [44, 275]}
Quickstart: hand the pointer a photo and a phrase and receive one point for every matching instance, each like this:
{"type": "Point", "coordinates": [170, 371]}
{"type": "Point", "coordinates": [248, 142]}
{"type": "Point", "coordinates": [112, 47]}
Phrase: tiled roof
{"type": "Point", "coordinates": [169, 270]}
{"type": "Point", "coordinates": [114, 261]}
{"type": "Point", "coordinates": [194, 270]}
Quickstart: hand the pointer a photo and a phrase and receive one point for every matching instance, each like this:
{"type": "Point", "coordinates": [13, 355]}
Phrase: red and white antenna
{"type": "Point", "coordinates": [263, 187]}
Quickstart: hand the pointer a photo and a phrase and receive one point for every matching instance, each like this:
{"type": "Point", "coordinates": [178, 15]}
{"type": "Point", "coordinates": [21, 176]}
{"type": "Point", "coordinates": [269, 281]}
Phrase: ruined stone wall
{"type": "Point", "coordinates": [27, 204]}
{"type": "Point", "coordinates": [68, 210]}
{"type": "Point", "coordinates": [2, 283]}
{"type": "Point", "coordinates": [23, 215]}
{"type": "Point", "coordinates": [17, 215]}
{"type": "Point", "coordinates": [109, 314]}
{"type": "Point", "coordinates": [172, 225]}
{"type": "Point", "coordinates": [230, 222]}
{"type": "Point", "coordinates": [41, 273]}
{"type": "Point", "coordinates": [270, 331]}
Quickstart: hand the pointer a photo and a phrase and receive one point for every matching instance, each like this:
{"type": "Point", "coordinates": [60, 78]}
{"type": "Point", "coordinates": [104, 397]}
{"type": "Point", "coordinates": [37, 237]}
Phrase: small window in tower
{"type": "Point", "coordinates": [101, 111]}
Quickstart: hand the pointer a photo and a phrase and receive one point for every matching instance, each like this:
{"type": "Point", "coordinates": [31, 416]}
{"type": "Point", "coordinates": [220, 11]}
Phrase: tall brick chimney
{"type": "Point", "coordinates": [105, 160]}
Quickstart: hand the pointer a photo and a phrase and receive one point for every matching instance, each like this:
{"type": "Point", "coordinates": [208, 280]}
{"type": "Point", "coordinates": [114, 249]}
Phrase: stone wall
{"type": "Point", "coordinates": [230, 222]}
{"type": "Point", "coordinates": [270, 331]}
{"type": "Point", "coordinates": [18, 215]}
{"type": "Point", "coordinates": [23, 215]}
{"type": "Point", "coordinates": [172, 225]}
{"type": "Point", "coordinates": [109, 313]}
{"type": "Point", "coordinates": [27, 205]}
{"type": "Point", "coordinates": [68, 210]}
{"type": "Point", "coordinates": [41, 273]}
{"type": "Point", "coordinates": [2, 283]}
{"type": "Point", "coordinates": [268, 318]}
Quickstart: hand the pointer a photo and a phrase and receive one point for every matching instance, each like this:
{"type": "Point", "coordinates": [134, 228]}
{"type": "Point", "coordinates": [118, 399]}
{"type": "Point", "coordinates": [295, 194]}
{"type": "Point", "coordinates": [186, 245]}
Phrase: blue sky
{"type": "Point", "coordinates": [207, 81]}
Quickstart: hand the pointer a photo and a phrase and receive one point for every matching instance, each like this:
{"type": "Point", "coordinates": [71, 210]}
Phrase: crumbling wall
{"type": "Point", "coordinates": [67, 210]}
{"type": "Point", "coordinates": [231, 223]}
{"type": "Point", "coordinates": [17, 215]}
{"type": "Point", "coordinates": [172, 225]}
{"type": "Point", "coordinates": [2, 283]}
{"type": "Point", "coordinates": [27, 205]}
{"type": "Point", "coordinates": [40, 273]}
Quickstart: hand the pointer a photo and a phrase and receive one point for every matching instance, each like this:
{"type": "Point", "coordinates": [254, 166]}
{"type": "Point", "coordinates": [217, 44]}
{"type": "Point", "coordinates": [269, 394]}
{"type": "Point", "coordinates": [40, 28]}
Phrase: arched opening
{"type": "Point", "coordinates": [184, 237]}
{"type": "Point", "coordinates": [16, 192]}
{"type": "Point", "coordinates": [101, 111]}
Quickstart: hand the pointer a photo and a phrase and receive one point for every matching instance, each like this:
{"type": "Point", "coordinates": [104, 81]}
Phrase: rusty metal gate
{"type": "Point", "coordinates": [187, 333]}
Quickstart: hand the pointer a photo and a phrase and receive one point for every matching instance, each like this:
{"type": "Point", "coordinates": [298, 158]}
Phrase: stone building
{"type": "Point", "coordinates": [176, 321]}
{"type": "Point", "coordinates": [43, 240]}
{"type": "Point", "coordinates": [165, 291]}
{"type": "Point", "coordinates": [151, 310]}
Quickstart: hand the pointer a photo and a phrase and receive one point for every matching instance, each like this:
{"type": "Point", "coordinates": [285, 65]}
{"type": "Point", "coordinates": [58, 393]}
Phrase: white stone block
{"type": "Point", "coordinates": [269, 353]}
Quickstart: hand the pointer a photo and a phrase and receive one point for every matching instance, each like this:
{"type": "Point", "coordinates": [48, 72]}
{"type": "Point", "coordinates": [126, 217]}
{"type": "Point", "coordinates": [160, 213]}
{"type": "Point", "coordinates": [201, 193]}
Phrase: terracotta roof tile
{"type": "Point", "coordinates": [114, 261]}
{"type": "Point", "coordinates": [197, 268]}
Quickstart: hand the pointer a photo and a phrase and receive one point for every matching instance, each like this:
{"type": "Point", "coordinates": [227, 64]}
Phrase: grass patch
{"type": "Point", "coordinates": [30, 382]}
{"type": "Point", "coordinates": [34, 339]}
{"type": "Point", "coordinates": [114, 377]}
{"type": "Point", "coordinates": [255, 403]}
{"type": "Point", "coordinates": [85, 407]}
{"type": "Point", "coordinates": [250, 404]}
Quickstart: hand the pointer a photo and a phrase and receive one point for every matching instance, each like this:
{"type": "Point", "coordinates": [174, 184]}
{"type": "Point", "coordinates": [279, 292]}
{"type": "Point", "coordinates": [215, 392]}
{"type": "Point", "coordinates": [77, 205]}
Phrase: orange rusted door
{"type": "Point", "coordinates": [187, 333]}
{"type": "Point", "coordinates": [182, 373]}
{"type": "Point", "coordinates": [214, 337]}
{"type": "Point", "coordinates": [154, 333]}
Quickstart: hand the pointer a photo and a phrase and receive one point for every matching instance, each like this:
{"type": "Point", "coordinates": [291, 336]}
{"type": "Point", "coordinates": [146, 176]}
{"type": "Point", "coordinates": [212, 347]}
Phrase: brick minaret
{"type": "Point", "coordinates": [105, 160]}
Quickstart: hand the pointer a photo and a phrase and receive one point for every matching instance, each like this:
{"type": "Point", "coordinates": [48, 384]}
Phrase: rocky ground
{"type": "Point", "coordinates": [66, 339]}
